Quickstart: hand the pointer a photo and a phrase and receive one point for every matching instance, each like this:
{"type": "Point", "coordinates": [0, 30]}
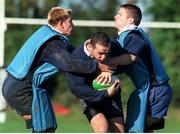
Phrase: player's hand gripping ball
{"type": "Point", "coordinates": [99, 86]}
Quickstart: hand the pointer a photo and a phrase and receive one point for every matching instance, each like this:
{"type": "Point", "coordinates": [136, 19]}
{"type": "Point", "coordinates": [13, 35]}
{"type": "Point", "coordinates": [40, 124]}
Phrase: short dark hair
{"type": "Point", "coordinates": [134, 12]}
{"type": "Point", "coordinates": [100, 37]}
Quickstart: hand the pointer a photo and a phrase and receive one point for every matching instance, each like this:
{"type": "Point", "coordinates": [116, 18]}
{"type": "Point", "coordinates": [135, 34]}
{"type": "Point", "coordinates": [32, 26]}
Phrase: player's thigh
{"type": "Point", "coordinates": [18, 95]}
{"type": "Point", "coordinates": [117, 124]}
{"type": "Point", "coordinates": [99, 123]}
{"type": "Point", "coordinates": [96, 119]}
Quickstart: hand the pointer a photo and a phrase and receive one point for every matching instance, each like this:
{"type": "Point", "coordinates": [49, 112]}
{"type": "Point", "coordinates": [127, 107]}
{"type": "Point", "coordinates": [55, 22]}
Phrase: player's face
{"type": "Point", "coordinates": [67, 26]}
{"type": "Point", "coordinates": [121, 19]}
{"type": "Point", "coordinates": [100, 53]}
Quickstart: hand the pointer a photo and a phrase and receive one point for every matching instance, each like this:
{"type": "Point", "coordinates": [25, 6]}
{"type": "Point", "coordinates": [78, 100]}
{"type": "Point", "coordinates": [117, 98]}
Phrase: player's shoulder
{"type": "Point", "coordinates": [134, 36]}
{"type": "Point", "coordinates": [53, 41]}
{"type": "Point", "coordinates": [116, 48]}
{"type": "Point", "coordinates": [79, 52]}
{"type": "Point", "coordinates": [134, 33]}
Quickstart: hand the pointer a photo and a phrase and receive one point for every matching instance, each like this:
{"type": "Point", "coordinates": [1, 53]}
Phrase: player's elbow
{"type": "Point", "coordinates": [133, 58]}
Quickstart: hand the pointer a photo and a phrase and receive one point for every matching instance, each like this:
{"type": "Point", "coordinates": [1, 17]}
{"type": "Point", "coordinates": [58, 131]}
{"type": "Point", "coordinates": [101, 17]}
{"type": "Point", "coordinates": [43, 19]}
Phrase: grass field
{"type": "Point", "coordinates": [77, 123]}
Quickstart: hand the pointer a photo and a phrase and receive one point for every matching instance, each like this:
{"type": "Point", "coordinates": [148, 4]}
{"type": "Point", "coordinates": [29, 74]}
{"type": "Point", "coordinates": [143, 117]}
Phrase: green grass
{"type": "Point", "coordinates": [13, 124]}
{"type": "Point", "coordinates": [76, 122]}
{"type": "Point", "coordinates": [172, 121]}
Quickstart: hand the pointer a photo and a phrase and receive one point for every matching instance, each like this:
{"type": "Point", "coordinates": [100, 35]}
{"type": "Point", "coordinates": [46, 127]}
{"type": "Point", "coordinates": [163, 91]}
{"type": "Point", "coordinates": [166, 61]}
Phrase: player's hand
{"type": "Point", "coordinates": [113, 89]}
{"type": "Point", "coordinates": [104, 78]}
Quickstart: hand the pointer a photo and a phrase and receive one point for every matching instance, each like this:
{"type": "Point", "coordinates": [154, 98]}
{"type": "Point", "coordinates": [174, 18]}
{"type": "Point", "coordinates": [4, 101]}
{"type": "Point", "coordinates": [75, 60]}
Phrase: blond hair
{"type": "Point", "coordinates": [57, 14]}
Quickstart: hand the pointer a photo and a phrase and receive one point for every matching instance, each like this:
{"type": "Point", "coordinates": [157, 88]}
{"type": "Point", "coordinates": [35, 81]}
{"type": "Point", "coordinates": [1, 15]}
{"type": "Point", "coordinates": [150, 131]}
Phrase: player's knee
{"type": "Point", "coordinates": [99, 127]}
{"type": "Point", "coordinates": [102, 129]}
{"type": "Point", "coordinates": [26, 117]}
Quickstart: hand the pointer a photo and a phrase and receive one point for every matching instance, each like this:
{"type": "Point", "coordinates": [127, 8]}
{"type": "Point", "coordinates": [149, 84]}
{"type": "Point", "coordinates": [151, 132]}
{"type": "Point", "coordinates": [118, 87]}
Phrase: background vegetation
{"type": "Point", "coordinates": [166, 41]}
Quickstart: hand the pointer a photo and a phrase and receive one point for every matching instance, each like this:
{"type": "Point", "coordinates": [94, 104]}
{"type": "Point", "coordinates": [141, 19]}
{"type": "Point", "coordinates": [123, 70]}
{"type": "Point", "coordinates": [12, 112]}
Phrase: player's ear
{"type": "Point", "coordinates": [60, 24]}
{"type": "Point", "coordinates": [130, 20]}
{"type": "Point", "coordinates": [89, 45]}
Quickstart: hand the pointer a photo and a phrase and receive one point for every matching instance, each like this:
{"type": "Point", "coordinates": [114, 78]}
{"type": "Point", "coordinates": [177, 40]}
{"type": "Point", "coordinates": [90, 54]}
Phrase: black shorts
{"type": "Point", "coordinates": [110, 107]}
{"type": "Point", "coordinates": [154, 123]}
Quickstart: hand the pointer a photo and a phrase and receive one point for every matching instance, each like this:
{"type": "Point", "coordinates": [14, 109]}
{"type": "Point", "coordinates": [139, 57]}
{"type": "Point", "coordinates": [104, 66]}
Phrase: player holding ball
{"type": "Point", "coordinates": [102, 108]}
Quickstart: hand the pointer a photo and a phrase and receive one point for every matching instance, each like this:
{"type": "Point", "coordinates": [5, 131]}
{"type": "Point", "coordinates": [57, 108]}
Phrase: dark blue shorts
{"type": "Point", "coordinates": [18, 94]}
{"type": "Point", "coordinates": [159, 99]}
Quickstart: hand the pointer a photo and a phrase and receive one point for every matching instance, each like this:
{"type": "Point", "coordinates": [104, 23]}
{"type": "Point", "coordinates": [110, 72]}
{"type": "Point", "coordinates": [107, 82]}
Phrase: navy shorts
{"type": "Point", "coordinates": [18, 94]}
{"type": "Point", "coordinates": [159, 99]}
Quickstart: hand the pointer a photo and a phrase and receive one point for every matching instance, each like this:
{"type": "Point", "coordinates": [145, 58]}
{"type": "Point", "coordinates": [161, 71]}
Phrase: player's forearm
{"type": "Point", "coordinates": [66, 62]}
{"type": "Point", "coordinates": [124, 59]}
{"type": "Point", "coordinates": [87, 93]}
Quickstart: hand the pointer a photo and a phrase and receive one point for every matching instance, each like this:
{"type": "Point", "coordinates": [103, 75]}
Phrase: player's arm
{"type": "Point", "coordinates": [79, 87]}
{"type": "Point", "coordinates": [124, 59]}
{"type": "Point", "coordinates": [133, 45]}
{"type": "Point", "coordinates": [63, 60]}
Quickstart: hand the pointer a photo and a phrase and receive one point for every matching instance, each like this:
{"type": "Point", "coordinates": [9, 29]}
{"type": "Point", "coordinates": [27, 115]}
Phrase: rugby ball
{"type": "Point", "coordinates": [99, 86]}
